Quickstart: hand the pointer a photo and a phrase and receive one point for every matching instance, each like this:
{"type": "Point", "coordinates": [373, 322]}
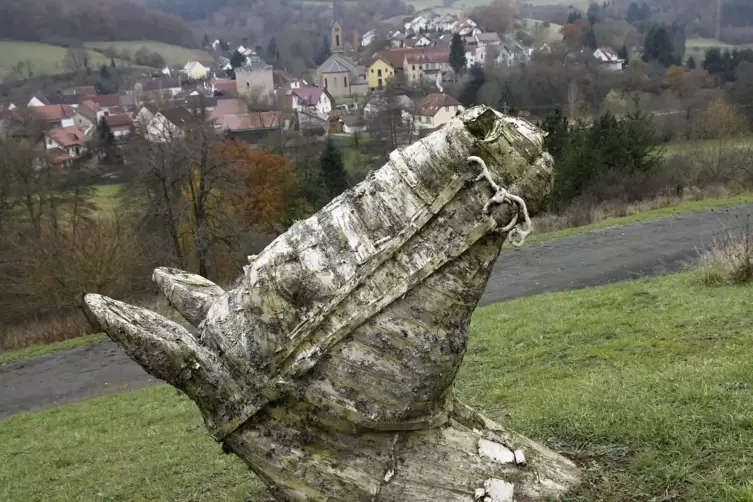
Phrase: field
{"type": "Point", "coordinates": [44, 58]}
{"type": "Point", "coordinates": [469, 4]}
{"type": "Point", "coordinates": [697, 47]}
{"type": "Point", "coordinates": [647, 385]}
{"type": "Point", "coordinates": [551, 34]}
{"type": "Point", "coordinates": [173, 54]}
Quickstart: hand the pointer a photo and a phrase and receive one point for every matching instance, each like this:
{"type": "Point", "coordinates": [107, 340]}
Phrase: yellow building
{"type": "Point", "coordinates": [378, 72]}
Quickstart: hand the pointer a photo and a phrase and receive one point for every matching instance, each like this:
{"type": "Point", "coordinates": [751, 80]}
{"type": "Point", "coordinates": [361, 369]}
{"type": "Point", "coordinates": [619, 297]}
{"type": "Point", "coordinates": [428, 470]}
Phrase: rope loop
{"type": "Point", "coordinates": [518, 232]}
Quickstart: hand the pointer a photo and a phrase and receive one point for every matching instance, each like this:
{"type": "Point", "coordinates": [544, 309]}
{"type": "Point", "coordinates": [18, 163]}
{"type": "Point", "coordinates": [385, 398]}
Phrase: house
{"type": "Point", "coordinates": [378, 72]}
{"type": "Point", "coordinates": [284, 80]}
{"type": "Point", "coordinates": [435, 110]}
{"type": "Point", "coordinates": [255, 79]}
{"type": "Point", "coordinates": [400, 102]}
{"type": "Point", "coordinates": [144, 116]}
{"type": "Point", "coordinates": [63, 99]}
{"type": "Point", "coordinates": [121, 125]}
{"type": "Point", "coordinates": [195, 70]}
{"type": "Point", "coordinates": [512, 53]}
{"type": "Point", "coordinates": [609, 59]}
{"type": "Point", "coordinates": [426, 66]}
{"type": "Point", "coordinates": [224, 87]}
{"type": "Point", "coordinates": [156, 88]}
{"type": "Point", "coordinates": [52, 116]}
{"type": "Point", "coordinates": [421, 41]}
{"type": "Point", "coordinates": [36, 101]}
{"type": "Point", "coordinates": [339, 74]}
{"type": "Point", "coordinates": [309, 97]}
{"type": "Point", "coordinates": [467, 28]}
{"type": "Point", "coordinates": [396, 57]}
{"type": "Point", "coordinates": [253, 127]}
{"type": "Point", "coordinates": [169, 123]}
{"type": "Point", "coordinates": [64, 144]}
{"type": "Point", "coordinates": [483, 39]}
{"type": "Point", "coordinates": [478, 56]}
{"type": "Point", "coordinates": [85, 90]}
{"type": "Point", "coordinates": [446, 22]}
{"type": "Point", "coordinates": [368, 38]}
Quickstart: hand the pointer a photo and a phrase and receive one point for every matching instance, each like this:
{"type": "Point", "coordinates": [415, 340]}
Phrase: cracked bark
{"type": "Point", "coordinates": [329, 369]}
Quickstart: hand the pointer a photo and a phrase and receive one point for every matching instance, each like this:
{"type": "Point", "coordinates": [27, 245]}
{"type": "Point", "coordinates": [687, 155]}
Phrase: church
{"type": "Point", "coordinates": [339, 74]}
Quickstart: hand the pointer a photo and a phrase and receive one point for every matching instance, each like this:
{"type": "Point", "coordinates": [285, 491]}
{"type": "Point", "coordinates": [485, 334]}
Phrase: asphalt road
{"type": "Point", "coordinates": [585, 260]}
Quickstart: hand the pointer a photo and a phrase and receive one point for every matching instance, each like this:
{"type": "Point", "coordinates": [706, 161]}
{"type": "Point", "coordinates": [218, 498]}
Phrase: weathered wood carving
{"type": "Point", "coordinates": [329, 369]}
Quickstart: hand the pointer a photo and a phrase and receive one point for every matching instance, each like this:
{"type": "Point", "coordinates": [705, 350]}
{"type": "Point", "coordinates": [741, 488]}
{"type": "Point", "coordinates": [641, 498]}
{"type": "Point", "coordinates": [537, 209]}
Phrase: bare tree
{"type": "Point", "coordinates": [76, 60]}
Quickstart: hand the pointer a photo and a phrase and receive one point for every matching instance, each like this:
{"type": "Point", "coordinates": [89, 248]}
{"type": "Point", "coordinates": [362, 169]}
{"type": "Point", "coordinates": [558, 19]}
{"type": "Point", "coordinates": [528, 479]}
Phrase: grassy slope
{"type": "Point", "coordinates": [45, 59]}
{"type": "Point", "coordinates": [40, 350]}
{"type": "Point", "coordinates": [173, 54]}
{"type": "Point", "coordinates": [654, 214]}
{"type": "Point", "coordinates": [646, 384]}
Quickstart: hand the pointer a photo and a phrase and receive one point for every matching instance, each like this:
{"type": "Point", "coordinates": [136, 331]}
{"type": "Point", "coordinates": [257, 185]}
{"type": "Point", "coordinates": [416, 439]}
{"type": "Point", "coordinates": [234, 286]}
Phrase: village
{"type": "Point", "coordinates": [243, 96]}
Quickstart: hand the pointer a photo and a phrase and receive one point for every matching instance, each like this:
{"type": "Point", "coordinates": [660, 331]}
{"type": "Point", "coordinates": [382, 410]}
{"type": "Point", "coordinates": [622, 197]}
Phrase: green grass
{"type": "Point", "coordinates": [697, 47]}
{"type": "Point", "coordinates": [648, 385]}
{"type": "Point", "coordinates": [551, 34]}
{"type": "Point", "coordinates": [654, 214]}
{"type": "Point", "coordinates": [41, 350]}
{"type": "Point", "coordinates": [105, 196]}
{"type": "Point", "coordinates": [173, 54]}
{"type": "Point", "coordinates": [706, 145]}
{"type": "Point", "coordinates": [44, 58]}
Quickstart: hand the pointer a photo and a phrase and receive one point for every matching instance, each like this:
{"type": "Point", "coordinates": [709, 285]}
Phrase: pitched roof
{"type": "Point", "coordinates": [226, 87]}
{"type": "Point", "coordinates": [159, 84]}
{"type": "Point", "coordinates": [432, 103]}
{"type": "Point", "coordinates": [52, 112]}
{"type": "Point", "coordinates": [58, 155]}
{"type": "Point", "coordinates": [228, 107]}
{"type": "Point", "coordinates": [103, 100]}
{"type": "Point", "coordinates": [396, 57]}
{"type": "Point", "coordinates": [62, 99]}
{"type": "Point", "coordinates": [428, 57]}
{"type": "Point", "coordinates": [251, 121]}
{"type": "Point", "coordinates": [309, 94]}
{"type": "Point", "coordinates": [85, 90]}
{"type": "Point", "coordinates": [334, 66]}
{"type": "Point", "coordinates": [67, 136]}
{"type": "Point", "coordinates": [119, 120]}
{"type": "Point", "coordinates": [488, 37]}
{"type": "Point", "coordinates": [178, 116]}
{"type": "Point", "coordinates": [254, 62]}
{"type": "Point", "coordinates": [91, 105]}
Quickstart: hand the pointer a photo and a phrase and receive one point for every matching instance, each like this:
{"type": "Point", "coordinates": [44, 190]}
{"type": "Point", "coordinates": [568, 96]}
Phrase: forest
{"type": "Point", "coordinates": [89, 20]}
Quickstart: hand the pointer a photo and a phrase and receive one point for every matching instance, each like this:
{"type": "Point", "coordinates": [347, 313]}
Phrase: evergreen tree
{"type": "Point", "coordinates": [334, 177]}
{"type": "Point", "coordinates": [237, 59]}
{"type": "Point", "coordinates": [324, 52]}
{"type": "Point", "coordinates": [105, 139]}
{"type": "Point", "coordinates": [574, 16]}
{"type": "Point", "coordinates": [624, 54]}
{"type": "Point", "coordinates": [556, 127]}
{"type": "Point", "coordinates": [104, 73]}
{"type": "Point", "coordinates": [273, 54]}
{"type": "Point", "coordinates": [645, 12]}
{"type": "Point", "coordinates": [594, 13]}
{"type": "Point", "coordinates": [658, 46]}
{"type": "Point", "coordinates": [690, 64]}
{"type": "Point", "coordinates": [634, 13]}
{"type": "Point", "coordinates": [476, 79]}
{"type": "Point", "coordinates": [457, 54]}
{"type": "Point", "coordinates": [713, 62]}
{"type": "Point", "coordinates": [205, 41]}
{"type": "Point", "coordinates": [589, 38]}
{"type": "Point", "coordinates": [112, 61]}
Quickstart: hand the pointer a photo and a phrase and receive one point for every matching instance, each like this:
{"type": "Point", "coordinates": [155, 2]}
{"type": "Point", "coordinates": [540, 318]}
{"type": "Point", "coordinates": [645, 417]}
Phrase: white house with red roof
{"type": "Point", "coordinates": [609, 59]}
{"type": "Point", "coordinates": [312, 97]}
{"type": "Point", "coordinates": [64, 144]}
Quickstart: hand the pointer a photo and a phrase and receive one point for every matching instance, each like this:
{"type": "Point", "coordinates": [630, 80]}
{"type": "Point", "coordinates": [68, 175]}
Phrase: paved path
{"type": "Point", "coordinates": [598, 257]}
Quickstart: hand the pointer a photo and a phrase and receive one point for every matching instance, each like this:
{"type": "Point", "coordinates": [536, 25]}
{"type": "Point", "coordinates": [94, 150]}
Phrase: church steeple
{"type": "Point", "coordinates": [336, 37]}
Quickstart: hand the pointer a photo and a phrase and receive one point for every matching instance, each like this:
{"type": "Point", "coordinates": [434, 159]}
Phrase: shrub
{"type": "Point", "coordinates": [730, 259]}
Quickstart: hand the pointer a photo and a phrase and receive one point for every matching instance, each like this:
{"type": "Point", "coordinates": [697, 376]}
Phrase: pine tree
{"type": "Point", "coordinates": [105, 138]}
{"type": "Point", "coordinates": [690, 64]}
{"type": "Point", "coordinates": [476, 79]}
{"type": "Point", "coordinates": [556, 127]}
{"type": "Point", "coordinates": [634, 13]}
{"type": "Point", "coordinates": [273, 54]}
{"type": "Point", "coordinates": [457, 54]}
{"type": "Point", "coordinates": [205, 41]}
{"type": "Point", "coordinates": [334, 177]}
{"type": "Point", "coordinates": [237, 59]}
{"type": "Point", "coordinates": [104, 73]}
{"type": "Point", "coordinates": [658, 46]}
{"type": "Point", "coordinates": [624, 54]}
{"type": "Point", "coordinates": [112, 61]}
{"type": "Point", "coordinates": [589, 38]}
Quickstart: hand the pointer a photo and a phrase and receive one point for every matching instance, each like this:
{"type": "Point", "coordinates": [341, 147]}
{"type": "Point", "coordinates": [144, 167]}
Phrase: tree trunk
{"type": "Point", "coordinates": [329, 370]}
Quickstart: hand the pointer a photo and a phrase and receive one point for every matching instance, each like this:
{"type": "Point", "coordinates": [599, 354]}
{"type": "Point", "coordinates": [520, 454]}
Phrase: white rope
{"type": "Point", "coordinates": [518, 233]}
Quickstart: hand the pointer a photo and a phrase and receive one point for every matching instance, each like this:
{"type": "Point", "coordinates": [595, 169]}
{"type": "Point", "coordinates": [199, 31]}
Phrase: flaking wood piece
{"type": "Point", "coordinates": [329, 370]}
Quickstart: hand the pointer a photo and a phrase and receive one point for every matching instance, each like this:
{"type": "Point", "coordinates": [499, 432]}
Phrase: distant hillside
{"type": "Point", "coordinates": [173, 54]}
{"type": "Point", "coordinates": [63, 22]}
{"type": "Point", "coordinates": [40, 59]}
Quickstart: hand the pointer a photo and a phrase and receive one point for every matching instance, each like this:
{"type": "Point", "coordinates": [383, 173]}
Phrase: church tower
{"type": "Point", "coordinates": [337, 38]}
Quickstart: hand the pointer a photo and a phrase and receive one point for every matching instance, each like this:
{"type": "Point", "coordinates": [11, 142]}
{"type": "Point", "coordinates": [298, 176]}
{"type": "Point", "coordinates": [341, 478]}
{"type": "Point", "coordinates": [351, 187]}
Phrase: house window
{"type": "Point", "coordinates": [325, 83]}
{"type": "Point", "coordinates": [420, 67]}
{"type": "Point", "coordinates": [380, 83]}
{"type": "Point", "coordinates": [337, 40]}
{"type": "Point", "coordinates": [414, 67]}
{"type": "Point", "coordinates": [372, 70]}
{"type": "Point", "coordinates": [379, 73]}
{"type": "Point", "coordinates": [447, 108]}
{"type": "Point", "coordinates": [345, 82]}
